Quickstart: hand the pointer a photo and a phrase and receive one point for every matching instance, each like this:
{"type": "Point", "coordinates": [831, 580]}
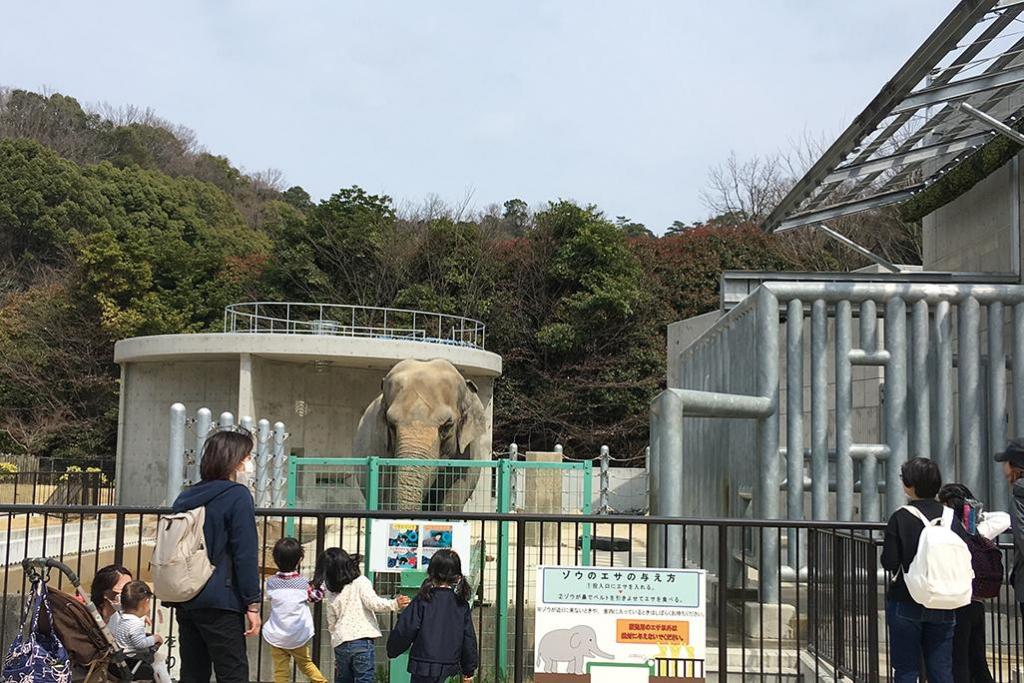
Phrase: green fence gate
{"type": "Point", "coordinates": [504, 486]}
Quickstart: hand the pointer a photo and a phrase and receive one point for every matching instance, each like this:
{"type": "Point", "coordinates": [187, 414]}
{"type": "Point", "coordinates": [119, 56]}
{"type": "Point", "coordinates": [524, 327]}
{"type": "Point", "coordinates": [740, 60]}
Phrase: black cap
{"type": "Point", "coordinates": [1014, 453]}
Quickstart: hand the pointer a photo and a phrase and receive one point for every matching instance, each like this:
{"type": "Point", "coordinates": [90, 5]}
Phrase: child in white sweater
{"type": "Point", "coordinates": [351, 603]}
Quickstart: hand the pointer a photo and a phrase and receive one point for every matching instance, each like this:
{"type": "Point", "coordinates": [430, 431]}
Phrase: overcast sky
{"type": "Point", "coordinates": [621, 104]}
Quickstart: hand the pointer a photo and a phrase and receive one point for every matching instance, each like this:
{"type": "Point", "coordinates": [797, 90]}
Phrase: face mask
{"type": "Point", "coordinates": [115, 604]}
{"type": "Point", "coordinates": [246, 475]}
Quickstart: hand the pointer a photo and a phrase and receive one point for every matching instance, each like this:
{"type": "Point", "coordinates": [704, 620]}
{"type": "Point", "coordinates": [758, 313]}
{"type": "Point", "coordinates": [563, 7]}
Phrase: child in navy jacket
{"type": "Point", "coordinates": [438, 625]}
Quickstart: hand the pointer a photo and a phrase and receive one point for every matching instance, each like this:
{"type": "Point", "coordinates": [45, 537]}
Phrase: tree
{"type": "Point", "coordinates": [630, 228]}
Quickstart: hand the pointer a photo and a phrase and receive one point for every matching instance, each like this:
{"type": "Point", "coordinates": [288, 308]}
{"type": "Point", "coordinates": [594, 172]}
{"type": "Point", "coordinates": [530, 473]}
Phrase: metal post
{"type": "Point", "coordinates": [263, 464]}
{"type": "Point", "coordinates": [605, 457]}
{"type": "Point", "coordinates": [513, 455]}
{"type": "Point", "coordinates": [819, 410]}
{"type": "Point", "coordinates": [794, 422]}
{"type": "Point", "coordinates": [997, 498]}
{"type": "Point", "coordinates": [670, 447]}
{"type": "Point", "coordinates": [176, 453]}
{"type": "Point", "coordinates": [204, 423]}
{"type": "Point", "coordinates": [895, 399]}
{"type": "Point", "coordinates": [226, 420]}
{"type": "Point", "coordinates": [655, 550]}
{"type": "Point", "coordinates": [1018, 373]}
{"type": "Point", "coordinates": [943, 383]}
{"type": "Point", "coordinates": [969, 395]}
{"type": "Point", "coordinates": [922, 382]}
{"type": "Point", "coordinates": [767, 439]}
{"type": "Point", "coordinates": [844, 405]}
{"type": "Point", "coordinates": [869, 465]}
{"type": "Point", "coordinates": [278, 480]}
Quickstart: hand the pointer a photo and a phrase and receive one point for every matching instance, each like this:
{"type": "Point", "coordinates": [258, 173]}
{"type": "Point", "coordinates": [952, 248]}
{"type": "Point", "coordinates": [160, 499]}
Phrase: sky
{"type": "Point", "coordinates": [625, 105]}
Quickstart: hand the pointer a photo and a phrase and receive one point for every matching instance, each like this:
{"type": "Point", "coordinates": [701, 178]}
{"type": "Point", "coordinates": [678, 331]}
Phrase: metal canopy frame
{"type": "Point", "coordinates": [943, 104]}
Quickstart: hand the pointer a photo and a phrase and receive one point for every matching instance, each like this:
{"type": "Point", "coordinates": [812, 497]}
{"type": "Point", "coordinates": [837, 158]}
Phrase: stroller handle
{"type": "Point", "coordinates": [43, 563]}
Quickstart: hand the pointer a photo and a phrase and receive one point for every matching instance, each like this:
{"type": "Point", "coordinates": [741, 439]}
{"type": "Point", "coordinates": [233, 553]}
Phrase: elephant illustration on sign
{"type": "Point", "coordinates": [572, 645]}
{"type": "Point", "coordinates": [426, 410]}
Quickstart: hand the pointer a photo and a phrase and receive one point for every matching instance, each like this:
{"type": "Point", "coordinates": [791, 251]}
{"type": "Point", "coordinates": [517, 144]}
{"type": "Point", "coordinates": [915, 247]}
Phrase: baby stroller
{"type": "Point", "coordinates": [94, 654]}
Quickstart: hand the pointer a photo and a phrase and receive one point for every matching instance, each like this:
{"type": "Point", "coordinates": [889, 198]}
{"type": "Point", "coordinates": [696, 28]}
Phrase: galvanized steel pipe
{"type": "Point", "coordinates": [895, 398]}
{"type": "Point", "coordinates": [858, 292]}
{"type": "Point", "coordinates": [768, 436]}
{"type": "Point", "coordinates": [969, 394]}
{"type": "Point", "coordinates": [795, 419]}
{"type": "Point", "coordinates": [279, 478]}
{"type": "Point", "coordinates": [943, 383]}
{"type": "Point", "coordinates": [1018, 373]}
{"type": "Point", "coordinates": [176, 453]}
{"type": "Point", "coordinates": [921, 446]}
{"type": "Point", "coordinates": [670, 452]}
{"type": "Point", "coordinates": [819, 410]}
{"type": "Point", "coordinates": [204, 421]}
{"type": "Point", "coordinates": [997, 497]}
{"type": "Point", "coordinates": [263, 463]}
{"type": "Point", "coordinates": [844, 406]}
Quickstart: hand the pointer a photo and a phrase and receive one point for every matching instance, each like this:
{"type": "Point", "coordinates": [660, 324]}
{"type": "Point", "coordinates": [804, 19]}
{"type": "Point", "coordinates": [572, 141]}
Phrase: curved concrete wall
{"type": "Point", "coordinates": [317, 385]}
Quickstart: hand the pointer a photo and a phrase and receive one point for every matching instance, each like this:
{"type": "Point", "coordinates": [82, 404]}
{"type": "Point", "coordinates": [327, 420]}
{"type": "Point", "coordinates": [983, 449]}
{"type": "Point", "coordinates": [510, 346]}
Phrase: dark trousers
{"type": "Point", "coordinates": [916, 632]}
{"type": "Point", "coordinates": [212, 641]}
{"type": "Point", "coordinates": [969, 663]}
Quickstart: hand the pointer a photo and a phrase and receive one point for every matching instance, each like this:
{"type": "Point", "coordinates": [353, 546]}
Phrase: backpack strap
{"type": "Point", "coordinates": [920, 515]}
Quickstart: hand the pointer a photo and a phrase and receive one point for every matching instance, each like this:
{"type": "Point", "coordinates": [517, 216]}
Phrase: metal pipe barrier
{"type": "Point", "coordinates": [940, 397]}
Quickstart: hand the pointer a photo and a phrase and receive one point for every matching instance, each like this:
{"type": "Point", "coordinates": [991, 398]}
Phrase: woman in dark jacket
{"type": "Point", "coordinates": [214, 624]}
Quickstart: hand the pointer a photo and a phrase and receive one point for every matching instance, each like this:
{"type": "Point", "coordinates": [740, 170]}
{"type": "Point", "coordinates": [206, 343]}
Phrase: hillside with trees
{"type": "Point", "coordinates": [115, 223]}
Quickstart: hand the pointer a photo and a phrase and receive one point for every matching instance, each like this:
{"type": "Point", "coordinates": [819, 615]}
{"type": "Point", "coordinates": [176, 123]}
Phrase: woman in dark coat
{"type": "Point", "coordinates": [214, 624]}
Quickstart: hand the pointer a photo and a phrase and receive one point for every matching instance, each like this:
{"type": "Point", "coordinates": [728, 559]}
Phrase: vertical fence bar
{"type": "Point", "coordinates": [1018, 371]}
{"type": "Point", "coordinates": [844, 404]}
{"type": "Point", "coordinates": [262, 462]}
{"type": "Point", "coordinates": [505, 474]}
{"type": "Point", "coordinates": [204, 422]}
{"type": "Point", "coordinates": [794, 422]}
{"type": "Point", "coordinates": [895, 398]}
{"type": "Point", "coordinates": [969, 394]}
{"type": "Point", "coordinates": [586, 529]}
{"type": "Point", "coordinates": [605, 458]}
{"type": "Point", "coordinates": [819, 410]}
{"type": "Point", "coordinates": [176, 453]}
{"type": "Point", "coordinates": [519, 649]}
{"type": "Point", "coordinates": [723, 613]}
{"type": "Point", "coordinates": [922, 381]}
{"type": "Point", "coordinates": [768, 442]}
{"type": "Point", "coordinates": [997, 495]}
{"type": "Point", "coordinates": [943, 385]}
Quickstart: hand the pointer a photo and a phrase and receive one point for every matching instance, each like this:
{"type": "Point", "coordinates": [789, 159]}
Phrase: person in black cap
{"type": "Point", "coordinates": [1013, 468]}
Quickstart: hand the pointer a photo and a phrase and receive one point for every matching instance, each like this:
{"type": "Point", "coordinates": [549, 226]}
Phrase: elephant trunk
{"type": "Point", "coordinates": [415, 442]}
{"type": "Point", "coordinates": [598, 652]}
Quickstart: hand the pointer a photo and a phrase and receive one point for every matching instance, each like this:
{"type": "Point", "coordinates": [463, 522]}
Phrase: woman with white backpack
{"type": "Point", "coordinates": [226, 609]}
{"type": "Point", "coordinates": [924, 595]}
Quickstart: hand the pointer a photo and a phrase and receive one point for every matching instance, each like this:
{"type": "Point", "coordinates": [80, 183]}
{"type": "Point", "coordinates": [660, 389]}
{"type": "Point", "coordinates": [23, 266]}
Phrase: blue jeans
{"type": "Point", "coordinates": [916, 632]}
{"type": "Point", "coordinates": [355, 662]}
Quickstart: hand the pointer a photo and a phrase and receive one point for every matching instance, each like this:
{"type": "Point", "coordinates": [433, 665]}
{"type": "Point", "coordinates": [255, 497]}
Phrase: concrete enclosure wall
{"type": "Point", "coordinates": [320, 395]}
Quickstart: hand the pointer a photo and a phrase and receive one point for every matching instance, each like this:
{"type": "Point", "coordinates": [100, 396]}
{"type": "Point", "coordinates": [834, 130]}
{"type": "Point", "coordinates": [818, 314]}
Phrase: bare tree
{"type": "Point", "coordinates": [746, 190]}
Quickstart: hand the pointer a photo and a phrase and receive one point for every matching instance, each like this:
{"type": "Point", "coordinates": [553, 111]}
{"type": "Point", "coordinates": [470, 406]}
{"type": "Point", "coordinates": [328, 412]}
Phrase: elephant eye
{"type": "Point", "coordinates": [447, 426]}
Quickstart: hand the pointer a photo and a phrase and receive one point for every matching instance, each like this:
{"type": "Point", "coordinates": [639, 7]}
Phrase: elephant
{"type": "Point", "coordinates": [426, 410]}
{"type": "Point", "coordinates": [571, 645]}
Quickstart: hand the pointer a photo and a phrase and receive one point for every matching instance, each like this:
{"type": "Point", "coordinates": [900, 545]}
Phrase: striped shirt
{"type": "Point", "coordinates": [130, 634]}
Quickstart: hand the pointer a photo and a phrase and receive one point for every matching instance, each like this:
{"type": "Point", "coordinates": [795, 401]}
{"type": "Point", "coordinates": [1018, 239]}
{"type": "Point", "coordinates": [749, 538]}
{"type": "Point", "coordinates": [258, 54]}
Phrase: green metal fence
{"type": "Point", "coordinates": [359, 484]}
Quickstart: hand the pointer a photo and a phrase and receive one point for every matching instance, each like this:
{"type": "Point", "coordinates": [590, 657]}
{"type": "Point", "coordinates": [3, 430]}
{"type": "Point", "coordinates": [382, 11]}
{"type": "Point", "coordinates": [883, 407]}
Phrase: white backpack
{"type": "Point", "coordinates": [941, 575]}
{"type": "Point", "coordinates": [180, 566]}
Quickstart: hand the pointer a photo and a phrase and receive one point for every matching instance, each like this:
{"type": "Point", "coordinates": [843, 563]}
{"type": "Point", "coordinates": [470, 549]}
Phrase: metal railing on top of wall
{"type": "Point", "coordinates": [271, 317]}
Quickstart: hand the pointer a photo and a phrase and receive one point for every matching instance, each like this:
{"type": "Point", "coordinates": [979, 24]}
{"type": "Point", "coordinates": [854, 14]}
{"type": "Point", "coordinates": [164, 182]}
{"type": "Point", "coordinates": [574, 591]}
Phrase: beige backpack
{"type": "Point", "coordinates": [180, 566]}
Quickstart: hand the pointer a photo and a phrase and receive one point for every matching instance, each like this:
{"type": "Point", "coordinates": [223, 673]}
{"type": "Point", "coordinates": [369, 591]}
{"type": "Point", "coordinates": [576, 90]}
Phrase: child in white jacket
{"type": "Point", "coordinates": [290, 626]}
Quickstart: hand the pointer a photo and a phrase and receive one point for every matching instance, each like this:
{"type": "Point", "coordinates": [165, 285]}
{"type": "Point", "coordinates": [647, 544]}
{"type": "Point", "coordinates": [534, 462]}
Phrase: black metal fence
{"type": "Point", "coordinates": [824, 623]}
{"type": "Point", "coordinates": [44, 487]}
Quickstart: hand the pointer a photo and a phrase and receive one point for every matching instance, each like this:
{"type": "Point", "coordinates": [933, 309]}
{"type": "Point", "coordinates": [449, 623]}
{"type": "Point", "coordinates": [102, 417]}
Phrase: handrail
{"type": "Point", "coordinates": [286, 317]}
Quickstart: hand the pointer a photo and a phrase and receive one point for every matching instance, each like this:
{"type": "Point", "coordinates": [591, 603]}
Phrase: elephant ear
{"type": "Point", "coordinates": [574, 640]}
{"type": "Point", "coordinates": [473, 421]}
{"type": "Point", "coordinates": [372, 433]}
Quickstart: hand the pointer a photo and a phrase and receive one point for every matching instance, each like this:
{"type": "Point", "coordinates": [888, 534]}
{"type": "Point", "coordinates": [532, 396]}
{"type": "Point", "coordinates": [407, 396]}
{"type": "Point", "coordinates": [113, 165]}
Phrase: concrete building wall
{"type": "Point", "coordinates": [147, 392]}
{"type": "Point", "coordinates": [978, 232]}
{"type": "Point", "coordinates": [320, 395]}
